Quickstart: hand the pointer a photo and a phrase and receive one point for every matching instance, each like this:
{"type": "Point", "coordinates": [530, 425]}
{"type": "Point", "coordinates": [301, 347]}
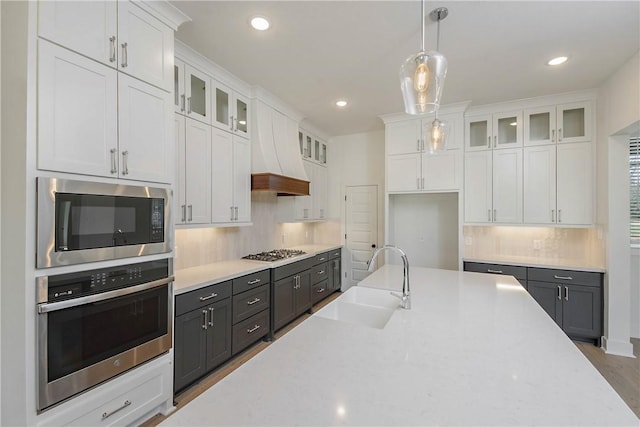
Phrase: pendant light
{"type": "Point", "coordinates": [422, 75]}
{"type": "Point", "coordinates": [438, 131]}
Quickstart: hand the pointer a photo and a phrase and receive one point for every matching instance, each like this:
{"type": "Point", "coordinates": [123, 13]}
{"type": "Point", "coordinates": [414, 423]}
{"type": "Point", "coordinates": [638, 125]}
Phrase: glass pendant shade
{"type": "Point", "coordinates": [436, 133]}
{"type": "Point", "coordinates": [421, 80]}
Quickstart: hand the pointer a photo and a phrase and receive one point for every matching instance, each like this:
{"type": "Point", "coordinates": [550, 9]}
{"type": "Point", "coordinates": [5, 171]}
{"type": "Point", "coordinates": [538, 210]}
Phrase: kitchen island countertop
{"type": "Point", "coordinates": [473, 350]}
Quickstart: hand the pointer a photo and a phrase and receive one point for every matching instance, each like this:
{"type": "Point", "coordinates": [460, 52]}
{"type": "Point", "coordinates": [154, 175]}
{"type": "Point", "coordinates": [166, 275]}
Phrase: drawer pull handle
{"type": "Point", "coordinates": [108, 414]}
{"type": "Point", "coordinates": [213, 295]}
{"type": "Point", "coordinates": [321, 290]}
{"type": "Point", "coordinates": [320, 272]}
{"type": "Point", "coordinates": [253, 301]}
{"type": "Point", "coordinates": [255, 328]}
{"type": "Point", "coordinates": [253, 282]}
{"type": "Point", "coordinates": [494, 271]}
{"type": "Point", "coordinates": [563, 277]}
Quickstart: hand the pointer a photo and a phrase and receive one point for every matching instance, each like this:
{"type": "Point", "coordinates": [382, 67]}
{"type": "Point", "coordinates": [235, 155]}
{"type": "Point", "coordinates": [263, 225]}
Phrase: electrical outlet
{"type": "Point", "coordinates": [537, 244]}
{"type": "Point", "coordinates": [468, 240]}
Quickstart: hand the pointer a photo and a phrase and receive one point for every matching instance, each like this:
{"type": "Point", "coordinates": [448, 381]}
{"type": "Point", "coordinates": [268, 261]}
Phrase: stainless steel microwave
{"type": "Point", "coordinates": [80, 221]}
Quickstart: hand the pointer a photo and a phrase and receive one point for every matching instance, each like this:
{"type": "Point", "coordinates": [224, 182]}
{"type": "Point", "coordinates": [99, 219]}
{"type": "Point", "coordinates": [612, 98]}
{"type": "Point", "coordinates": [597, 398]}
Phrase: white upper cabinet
{"type": "Point", "coordinates": [77, 113]}
{"type": "Point", "coordinates": [87, 27]}
{"type": "Point", "coordinates": [575, 184]}
{"type": "Point", "coordinates": [494, 131]}
{"type": "Point", "coordinates": [145, 140]}
{"type": "Point", "coordinates": [230, 110]}
{"type": "Point", "coordinates": [117, 34]}
{"type": "Point", "coordinates": [192, 92]}
{"type": "Point", "coordinates": [145, 46]}
{"type": "Point", "coordinates": [539, 180]}
{"type": "Point", "coordinates": [478, 181]}
{"type": "Point", "coordinates": [404, 137]}
{"type": "Point", "coordinates": [564, 123]}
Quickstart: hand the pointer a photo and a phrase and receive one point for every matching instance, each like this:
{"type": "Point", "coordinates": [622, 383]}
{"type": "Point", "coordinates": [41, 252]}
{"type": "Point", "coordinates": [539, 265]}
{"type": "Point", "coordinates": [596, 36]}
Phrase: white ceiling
{"type": "Point", "coordinates": [319, 51]}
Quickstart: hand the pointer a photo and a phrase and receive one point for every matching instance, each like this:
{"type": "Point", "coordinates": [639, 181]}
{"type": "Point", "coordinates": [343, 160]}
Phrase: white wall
{"type": "Point", "coordinates": [618, 115]}
{"type": "Point", "coordinates": [635, 292]}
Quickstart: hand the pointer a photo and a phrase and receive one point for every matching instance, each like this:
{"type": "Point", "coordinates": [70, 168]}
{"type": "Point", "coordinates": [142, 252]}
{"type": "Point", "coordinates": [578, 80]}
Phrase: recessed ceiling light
{"type": "Point", "coordinates": [557, 61]}
{"type": "Point", "coordinates": [260, 23]}
{"type": "Point", "coordinates": [341, 103]}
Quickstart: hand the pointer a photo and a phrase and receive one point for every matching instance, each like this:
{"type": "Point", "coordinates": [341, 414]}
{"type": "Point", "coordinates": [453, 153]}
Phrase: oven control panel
{"type": "Point", "coordinates": [74, 285]}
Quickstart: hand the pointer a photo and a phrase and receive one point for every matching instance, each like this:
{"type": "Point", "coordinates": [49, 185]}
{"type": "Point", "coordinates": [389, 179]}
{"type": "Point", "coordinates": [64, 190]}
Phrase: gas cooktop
{"type": "Point", "coordinates": [274, 255]}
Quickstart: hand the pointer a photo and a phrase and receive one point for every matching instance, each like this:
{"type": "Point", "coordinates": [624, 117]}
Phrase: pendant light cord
{"type": "Point", "coordinates": [423, 19]}
{"type": "Point", "coordinates": [438, 35]}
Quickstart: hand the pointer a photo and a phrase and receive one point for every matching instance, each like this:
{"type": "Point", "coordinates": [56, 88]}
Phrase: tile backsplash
{"type": "Point", "coordinates": [198, 246]}
{"type": "Point", "coordinates": [586, 245]}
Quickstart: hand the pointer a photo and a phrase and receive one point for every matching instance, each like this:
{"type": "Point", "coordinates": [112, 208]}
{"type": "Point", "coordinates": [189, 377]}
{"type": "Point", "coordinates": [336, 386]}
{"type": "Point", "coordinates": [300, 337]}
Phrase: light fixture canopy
{"type": "Point", "coordinates": [422, 74]}
{"type": "Point", "coordinates": [260, 23]}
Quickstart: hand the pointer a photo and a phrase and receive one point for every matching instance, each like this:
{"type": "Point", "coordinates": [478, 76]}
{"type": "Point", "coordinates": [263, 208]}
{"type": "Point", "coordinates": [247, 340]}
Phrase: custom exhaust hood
{"type": "Point", "coordinates": [276, 161]}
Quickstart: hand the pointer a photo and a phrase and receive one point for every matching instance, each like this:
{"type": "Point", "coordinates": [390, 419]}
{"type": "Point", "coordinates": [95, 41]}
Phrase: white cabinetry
{"type": "Point", "coordinates": [230, 110]}
{"type": "Point", "coordinates": [564, 123]}
{"type": "Point", "coordinates": [118, 34]}
{"type": "Point", "coordinates": [93, 120]}
{"type": "Point", "coordinates": [498, 130]}
{"type": "Point", "coordinates": [313, 207]}
{"type": "Point", "coordinates": [312, 147]}
{"type": "Point", "coordinates": [231, 179]}
{"type": "Point", "coordinates": [192, 198]}
{"type": "Point", "coordinates": [411, 168]}
{"type": "Point", "coordinates": [192, 92]}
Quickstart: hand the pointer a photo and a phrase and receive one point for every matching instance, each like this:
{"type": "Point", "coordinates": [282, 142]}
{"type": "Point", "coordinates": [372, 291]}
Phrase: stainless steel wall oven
{"type": "Point", "coordinates": [94, 325]}
{"type": "Point", "coordinates": [79, 221]}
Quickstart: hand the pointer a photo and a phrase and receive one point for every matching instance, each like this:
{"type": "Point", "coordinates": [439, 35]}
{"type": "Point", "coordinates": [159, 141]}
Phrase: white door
{"type": "Point", "coordinates": [87, 27]}
{"type": "Point", "coordinates": [539, 180]}
{"type": "Point", "coordinates": [145, 129]}
{"type": "Point", "coordinates": [477, 187]}
{"type": "Point", "coordinates": [575, 184]}
{"type": "Point", "coordinates": [145, 46]}
{"type": "Point", "coordinates": [179, 196]}
{"type": "Point", "coordinates": [507, 186]}
{"type": "Point", "coordinates": [77, 113]}
{"type": "Point", "coordinates": [242, 178]}
{"type": "Point", "coordinates": [403, 172]}
{"type": "Point", "coordinates": [361, 231]}
{"type": "Point", "coordinates": [403, 137]}
{"type": "Point", "coordinates": [198, 172]}
{"type": "Point", "coordinates": [222, 207]}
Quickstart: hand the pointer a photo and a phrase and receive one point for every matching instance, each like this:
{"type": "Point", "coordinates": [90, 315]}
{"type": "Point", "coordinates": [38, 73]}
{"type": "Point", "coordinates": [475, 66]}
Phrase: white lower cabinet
{"type": "Point", "coordinates": [93, 120]}
{"type": "Point", "coordinates": [493, 186]}
{"type": "Point", "coordinates": [230, 179]}
{"type": "Point", "coordinates": [126, 400]}
{"type": "Point", "coordinates": [192, 198]}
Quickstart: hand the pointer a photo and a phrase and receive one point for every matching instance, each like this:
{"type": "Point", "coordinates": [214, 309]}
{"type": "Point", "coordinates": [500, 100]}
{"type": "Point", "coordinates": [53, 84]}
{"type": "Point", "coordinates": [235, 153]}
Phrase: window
{"type": "Point", "coordinates": [634, 175]}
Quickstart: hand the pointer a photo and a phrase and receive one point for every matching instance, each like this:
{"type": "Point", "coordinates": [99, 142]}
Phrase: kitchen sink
{"type": "Point", "coordinates": [362, 306]}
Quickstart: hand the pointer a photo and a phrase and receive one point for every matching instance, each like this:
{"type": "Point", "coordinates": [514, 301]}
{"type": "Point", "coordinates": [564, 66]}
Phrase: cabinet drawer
{"type": "Point", "coordinates": [336, 253]}
{"type": "Point", "coordinates": [319, 291]}
{"type": "Point", "coordinates": [201, 297]}
{"type": "Point", "coordinates": [249, 331]}
{"type": "Point", "coordinates": [249, 303]}
{"type": "Point", "coordinates": [319, 272]}
{"type": "Point", "coordinates": [250, 281]}
{"type": "Point", "coordinates": [319, 258]}
{"type": "Point", "coordinates": [518, 272]}
{"type": "Point", "coordinates": [565, 276]}
{"type": "Point", "coordinates": [293, 268]}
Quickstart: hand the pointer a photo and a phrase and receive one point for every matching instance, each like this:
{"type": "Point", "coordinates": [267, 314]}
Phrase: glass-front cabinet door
{"type": "Point", "coordinates": [540, 126]}
{"type": "Point", "coordinates": [323, 153]}
{"type": "Point", "coordinates": [507, 130]}
{"type": "Point", "coordinates": [179, 98]}
{"type": "Point", "coordinates": [301, 142]}
{"type": "Point", "coordinates": [198, 94]}
{"type": "Point", "coordinates": [307, 146]}
{"type": "Point", "coordinates": [241, 116]}
{"type": "Point", "coordinates": [221, 106]}
{"type": "Point", "coordinates": [574, 122]}
{"type": "Point", "coordinates": [478, 135]}
{"type": "Point", "coordinates": [316, 150]}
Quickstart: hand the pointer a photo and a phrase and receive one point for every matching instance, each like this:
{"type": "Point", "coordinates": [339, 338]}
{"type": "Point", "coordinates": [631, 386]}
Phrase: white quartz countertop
{"type": "Point", "coordinates": [560, 263]}
{"type": "Point", "coordinates": [474, 350]}
{"type": "Point", "coordinates": [190, 279]}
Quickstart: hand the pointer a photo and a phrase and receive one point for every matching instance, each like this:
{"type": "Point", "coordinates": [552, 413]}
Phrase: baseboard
{"type": "Point", "coordinates": [619, 348]}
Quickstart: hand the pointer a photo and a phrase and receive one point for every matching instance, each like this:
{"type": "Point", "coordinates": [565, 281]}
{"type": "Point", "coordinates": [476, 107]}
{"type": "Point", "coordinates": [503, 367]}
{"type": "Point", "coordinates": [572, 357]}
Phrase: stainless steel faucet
{"type": "Point", "coordinates": [405, 297]}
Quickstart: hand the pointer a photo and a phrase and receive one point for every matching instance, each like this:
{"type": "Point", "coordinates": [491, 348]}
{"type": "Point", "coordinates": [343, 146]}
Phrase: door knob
{"type": "Point", "coordinates": [373, 245]}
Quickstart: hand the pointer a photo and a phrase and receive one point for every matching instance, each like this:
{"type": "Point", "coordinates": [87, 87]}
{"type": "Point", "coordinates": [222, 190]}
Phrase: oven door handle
{"type": "Point", "coordinates": [54, 306]}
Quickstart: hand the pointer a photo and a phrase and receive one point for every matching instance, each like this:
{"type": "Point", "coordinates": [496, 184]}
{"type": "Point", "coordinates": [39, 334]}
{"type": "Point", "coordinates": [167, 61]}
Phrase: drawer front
{"type": "Point", "coordinates": [293, 268]}
{"type": "Point", "coordinates": [250, 281]}
{"type": "Point", "coordinates": [319, 272]}
{"type": "Point", "coordinates": [336, 253]}
{"type": "Point", "coordinates": [320, 258]}
{"type": "Point", "coordinates": [319, 291]}
{"type": "Point", "coordinates": [249, 331]}
{"type": "Point", "coordinates": [249, 303]}
{"type": "Point", "coordinates": [201, 297]}
{"type": "Point", "coordinates": [509, 270]}
{"type": "Point", "coordinates": [570, 277]}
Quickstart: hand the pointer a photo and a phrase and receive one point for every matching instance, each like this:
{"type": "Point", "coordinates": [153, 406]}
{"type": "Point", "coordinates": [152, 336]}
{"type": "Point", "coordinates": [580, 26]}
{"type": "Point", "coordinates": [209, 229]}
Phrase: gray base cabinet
{"type": "Point", "coordinates": [202, 331]}
{"type": "Point", "coordinates": [335, 270]}
{"type": "Point", "coordinates": [292, 297]}
{"type": "Point", "coordinates": [251, 303]}
{"type": "Point", "coordinates": [573, 299]}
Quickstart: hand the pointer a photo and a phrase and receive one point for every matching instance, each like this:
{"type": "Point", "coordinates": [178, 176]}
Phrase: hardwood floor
{"type": "Point", "coordinates": [623, 373]}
